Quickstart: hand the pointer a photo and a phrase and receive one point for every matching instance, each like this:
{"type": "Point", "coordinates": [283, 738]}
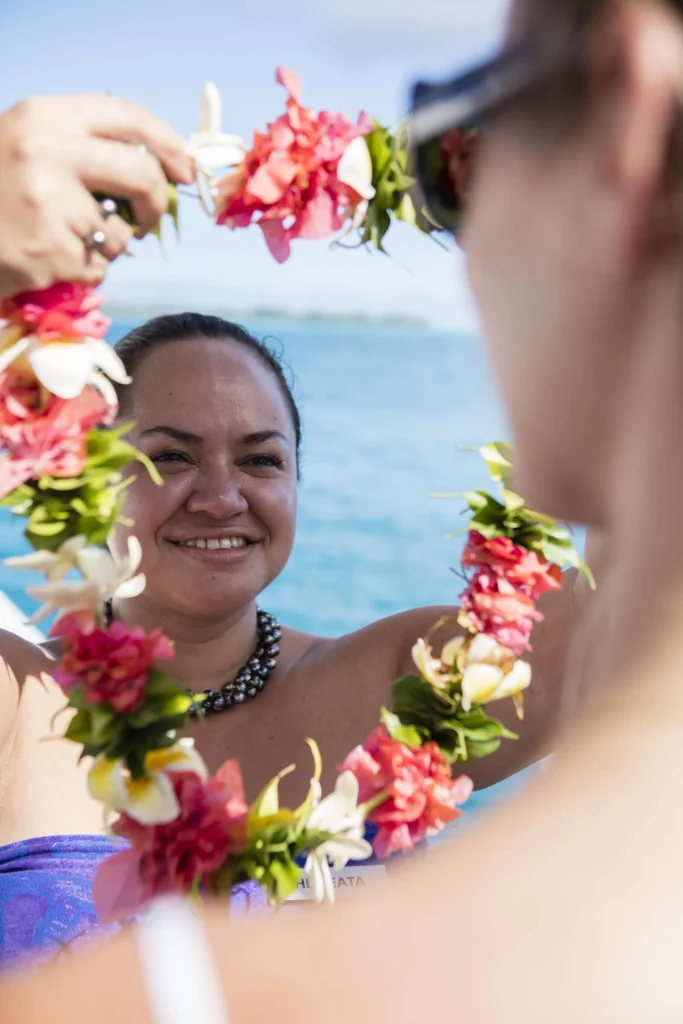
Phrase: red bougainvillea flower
{"type": "Point", "coordinates": [62, 311]}
{"type": "Point", "coordinates": [112, 664]}
{"type": "Point", "coordinates": [303, 177]}
{"type": "Point", "coordinates": [43, 434]}
{"type": "Point", "coordinates": [422, 794]}
{"type": "Point", "coordinates": [525, 569]}
{"type": "Point", "coordinates": [494, 606]}
{"type": "Point", "coordinates": [176, 856]}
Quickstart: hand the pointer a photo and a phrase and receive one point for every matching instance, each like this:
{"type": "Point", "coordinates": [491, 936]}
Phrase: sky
{"type": "Point", "coordinates": [351, 55]}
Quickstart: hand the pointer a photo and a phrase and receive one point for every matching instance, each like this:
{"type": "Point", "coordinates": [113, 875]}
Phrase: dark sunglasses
{"type": "Point", "coordinates": [447, 121]}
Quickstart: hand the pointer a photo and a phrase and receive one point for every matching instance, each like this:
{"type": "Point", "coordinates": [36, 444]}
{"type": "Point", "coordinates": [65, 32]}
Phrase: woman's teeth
{"type": "Point", "coordinates": [214, 543]}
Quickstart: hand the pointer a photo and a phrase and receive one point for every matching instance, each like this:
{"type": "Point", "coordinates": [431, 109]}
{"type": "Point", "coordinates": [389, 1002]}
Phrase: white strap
{"type": "Point", "coordinates": [178, 966]}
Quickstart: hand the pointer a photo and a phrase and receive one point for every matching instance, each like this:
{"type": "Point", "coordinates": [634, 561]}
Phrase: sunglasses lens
{"type": "Point", "coordinates": [444, 167]}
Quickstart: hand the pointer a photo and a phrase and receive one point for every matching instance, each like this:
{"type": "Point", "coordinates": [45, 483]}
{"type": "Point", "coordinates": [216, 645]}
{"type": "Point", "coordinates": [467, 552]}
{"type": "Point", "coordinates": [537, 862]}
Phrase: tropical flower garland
{"type": "Point", "coordinates": [308, 175]}
{"type": "Point", "coordinates": [65, 470]}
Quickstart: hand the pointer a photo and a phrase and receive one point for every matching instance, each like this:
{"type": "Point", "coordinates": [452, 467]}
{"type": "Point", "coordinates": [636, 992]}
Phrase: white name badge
{"type": "Point", "coordinates": [349, 882]}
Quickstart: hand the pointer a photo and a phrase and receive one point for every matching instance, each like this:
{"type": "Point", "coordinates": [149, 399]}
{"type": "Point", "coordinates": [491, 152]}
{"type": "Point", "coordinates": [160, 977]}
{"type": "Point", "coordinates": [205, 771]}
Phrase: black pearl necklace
{"type": "Point", "coordinates": [250, 679]}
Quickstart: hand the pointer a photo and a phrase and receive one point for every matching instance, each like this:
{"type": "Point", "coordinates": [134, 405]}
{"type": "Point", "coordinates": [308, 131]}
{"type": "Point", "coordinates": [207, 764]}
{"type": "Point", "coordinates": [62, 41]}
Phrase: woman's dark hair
{"type": "Point", "coordinates": [164, 330]}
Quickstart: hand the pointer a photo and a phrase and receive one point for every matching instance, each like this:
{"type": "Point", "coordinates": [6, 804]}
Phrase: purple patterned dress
{"type": "Point", "coordinates": [46, 899]}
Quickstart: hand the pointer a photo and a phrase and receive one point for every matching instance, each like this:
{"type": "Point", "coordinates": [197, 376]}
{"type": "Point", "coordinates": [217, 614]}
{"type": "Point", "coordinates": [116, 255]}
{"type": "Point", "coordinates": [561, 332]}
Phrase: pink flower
{"type": "Point", "coordinates": [422, 792]}
{"type": "Point", "coordinates": [290, 176]}
{"type": "Point", "coordinates": [494, 606]}
{"type": "Point", "coordinates": [43, 434]}
{"type": "Point", "coordinates": [62, 311]}
{"type": "Point", "coordinates": [174, 857]}
{"type": "Point", "coordinates": [519, 566]}
{"type": "Point", "coordinates": [112, 664]}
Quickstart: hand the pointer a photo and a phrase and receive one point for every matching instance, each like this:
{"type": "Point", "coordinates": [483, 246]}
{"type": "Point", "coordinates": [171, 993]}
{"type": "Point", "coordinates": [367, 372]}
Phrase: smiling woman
{"type": "Point", "coordinates": [213, 413]}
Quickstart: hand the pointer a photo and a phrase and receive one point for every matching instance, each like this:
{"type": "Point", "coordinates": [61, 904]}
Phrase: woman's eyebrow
{"type": "Point", "coordinates": [260, 436]}
{"type": "Point", "coordinates": [256, 437]}
{"type": "Point", "coordinates": [174, 432]}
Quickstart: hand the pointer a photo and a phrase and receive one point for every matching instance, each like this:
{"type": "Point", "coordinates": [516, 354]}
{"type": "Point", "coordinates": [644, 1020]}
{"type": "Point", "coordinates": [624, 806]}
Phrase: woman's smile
{"type": "Point", "coordinates": [215, 549]}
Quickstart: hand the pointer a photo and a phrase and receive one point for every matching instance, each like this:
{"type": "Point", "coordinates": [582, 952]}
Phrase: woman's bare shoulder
{"type": "Point", "coordinates": [382, 646]}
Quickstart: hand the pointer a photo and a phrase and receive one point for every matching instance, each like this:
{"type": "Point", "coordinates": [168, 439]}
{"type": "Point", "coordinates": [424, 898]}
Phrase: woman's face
{"type": "Point", "coordinates": [549, 260]}
{"type": "Point", "coordinates": [213, 419]}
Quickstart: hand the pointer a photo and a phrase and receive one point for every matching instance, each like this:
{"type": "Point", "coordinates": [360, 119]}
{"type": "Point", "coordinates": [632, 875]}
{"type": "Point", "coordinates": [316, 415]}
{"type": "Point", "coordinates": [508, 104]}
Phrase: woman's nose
{"type": "Point", "coordinates": [218, 494]}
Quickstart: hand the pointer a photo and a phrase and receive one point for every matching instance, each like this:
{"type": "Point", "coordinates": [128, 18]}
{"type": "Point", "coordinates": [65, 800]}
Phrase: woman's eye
{"type": "Point", "coordinates": [169, 456]}
{"type": "Point", "coordinates": [264, 460]}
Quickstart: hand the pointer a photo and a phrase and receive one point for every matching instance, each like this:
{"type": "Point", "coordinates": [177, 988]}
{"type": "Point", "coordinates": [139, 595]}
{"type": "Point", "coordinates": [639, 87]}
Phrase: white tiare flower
{"type": "Point", "coordinates": [55, 564]}
{"type": "Point", "coordinates": [102, 578]}
{"type": "Point", "coordinates": [150, 800]}
{"type": "Point", "coordinates": [66, 367]}
{"type": "Point", "coordinates": [491, 672]}
{"type": "Point", "coordinates": [339, 815]}
{"type": "Point", "coordinates": [211, 149]}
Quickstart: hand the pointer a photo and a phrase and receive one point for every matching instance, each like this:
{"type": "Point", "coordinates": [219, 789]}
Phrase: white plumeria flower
{"type": "Point", "coordinates": [429, 667]}
{"type": "Point", "coordinates": [490, 672]}
{"type": "Point", "coordinates": [102, 578]}
{"type": "Point", "coordinates": [210, 148]}
{"type": "Point", "coordinates": [339, 815]}
{"type": "Point", "coordinates": [66, 367]}
{"type": "Point", "coordinates": [55, 564]}
{"type": "Point", "coordinates": [150, 800]}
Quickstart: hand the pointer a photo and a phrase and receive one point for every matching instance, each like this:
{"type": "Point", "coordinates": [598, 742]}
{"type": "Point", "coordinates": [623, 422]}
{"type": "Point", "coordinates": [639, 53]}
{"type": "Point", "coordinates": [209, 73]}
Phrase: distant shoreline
{"type": "Point", "coordinates": [123, 312]}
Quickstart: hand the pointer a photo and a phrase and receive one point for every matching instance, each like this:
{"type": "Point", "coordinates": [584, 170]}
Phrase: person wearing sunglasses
{"type": "Point", "coordinates": [566, 905]}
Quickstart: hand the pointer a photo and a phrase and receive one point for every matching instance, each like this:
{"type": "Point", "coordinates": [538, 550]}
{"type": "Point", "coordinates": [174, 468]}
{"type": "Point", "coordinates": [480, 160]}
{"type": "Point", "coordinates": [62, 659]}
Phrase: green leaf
{"type": "Point", "coordinates": [285, 876]}
{"type": "Point", "coordinates": [477, 500]}
{"type": "Point", "coordinates": [173, 206]}
{"type": "Point", "coordinates": [477, 725]}
{"type": "Point", "coordinates": [79, 728]}
{"type": "Point", "coordinates": [406, 210]}
{"type": "Point", "coordinates": [513, 502]}
{"type": "Point", "coordinates": [460, 735]}
{"type": "Point", "coordinates": [568, 557]}
{"type": "Point", "coordinates": [409, 735]}
{"type": "Point", "coordinates": [476, 750]}
{"type": "Point", "coordinates": [57, 484]}
{"type": "Point", "coordinates": [156, 710]}
{"type": "Point", "coordinates": [87, 505]}
{"type": "Point", "coordinates": [267, 803]}
{"type": "Point", "coordinates": [102, 717]}
{"type": "Point", "coordinates": [47, 529]}
{"type": "Point", "coordinates": [498, 458]}
{"type": "Point", "coordinates": [161, 684]}
{"type": "Point", "coordinates": [77, 699]}
{"type": "Point", "coordinates": [17, 497]}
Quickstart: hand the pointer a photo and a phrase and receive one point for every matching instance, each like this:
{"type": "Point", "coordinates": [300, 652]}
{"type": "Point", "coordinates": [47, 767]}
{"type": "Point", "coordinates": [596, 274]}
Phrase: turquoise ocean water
{"type": "Point", "coordinates": [384, 409]}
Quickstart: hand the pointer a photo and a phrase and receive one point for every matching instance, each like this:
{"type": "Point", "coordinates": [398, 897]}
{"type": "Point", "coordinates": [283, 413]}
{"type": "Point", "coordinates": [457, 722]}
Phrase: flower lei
{"type": "Point", "coordinates": [65, 470]}
{"type": "Point", "coordinates": [308, 175]}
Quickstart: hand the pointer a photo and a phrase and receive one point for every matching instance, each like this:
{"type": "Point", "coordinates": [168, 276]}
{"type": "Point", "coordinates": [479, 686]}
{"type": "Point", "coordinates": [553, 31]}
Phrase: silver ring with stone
{"type": "Point", "coordinates": [96, 241]}
{"type": "Point", "coordinates": [108, 207]}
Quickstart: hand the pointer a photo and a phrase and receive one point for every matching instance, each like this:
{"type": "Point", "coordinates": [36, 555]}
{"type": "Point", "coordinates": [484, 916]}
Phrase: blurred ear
{"type": "Point", "coordinates": [641, 69]}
